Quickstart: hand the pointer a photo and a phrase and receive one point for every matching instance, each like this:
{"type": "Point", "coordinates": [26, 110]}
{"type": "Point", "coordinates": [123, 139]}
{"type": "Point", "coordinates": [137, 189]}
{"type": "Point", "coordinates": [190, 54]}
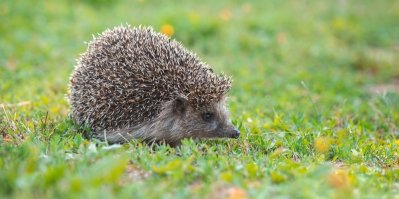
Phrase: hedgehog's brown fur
{"type": "Point", "coordinates": [127, 75]}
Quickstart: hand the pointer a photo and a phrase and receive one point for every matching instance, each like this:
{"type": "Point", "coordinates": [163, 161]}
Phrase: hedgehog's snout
{"type": "Point", "coordinates": [231, 132]}
{"type": "Point", "coordinates": [235, 133]}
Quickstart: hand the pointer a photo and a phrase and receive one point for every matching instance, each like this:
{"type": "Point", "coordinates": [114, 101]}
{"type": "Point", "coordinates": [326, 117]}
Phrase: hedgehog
{"type": "Point", "coordinates": [135, 83]}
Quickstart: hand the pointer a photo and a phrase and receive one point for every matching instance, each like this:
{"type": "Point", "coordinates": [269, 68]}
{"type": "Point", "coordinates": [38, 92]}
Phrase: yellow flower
{"type": "Point", "coordinates": [339, 179]}
{"type": "Point", "coordinates": [322, 144]}
{"type": "Point", "coordinates": [237, 193]}
{"type": "Point", "coordinates": [193, 17]}
{"type": "Point", "coordinates": [225, 14]}
{"type": "Point", "coordinates": [168, 30]}
{"type": "Point", "coordinates": [338, 24]}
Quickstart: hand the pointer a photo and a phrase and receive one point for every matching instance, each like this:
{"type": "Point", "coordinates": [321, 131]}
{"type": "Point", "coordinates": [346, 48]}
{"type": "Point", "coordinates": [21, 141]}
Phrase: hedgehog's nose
{"type": "Point", "coordinates": [235, 133]}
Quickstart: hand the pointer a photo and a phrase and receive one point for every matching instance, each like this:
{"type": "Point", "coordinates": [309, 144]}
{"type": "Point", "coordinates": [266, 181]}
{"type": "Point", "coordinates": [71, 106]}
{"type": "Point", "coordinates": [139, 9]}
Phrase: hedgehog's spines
{"type": "Point", "coordinates": [127, 74]}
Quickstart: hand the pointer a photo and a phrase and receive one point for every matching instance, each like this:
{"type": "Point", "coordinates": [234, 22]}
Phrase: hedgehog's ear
{"type": "Point", "coordinates": [180, 105]}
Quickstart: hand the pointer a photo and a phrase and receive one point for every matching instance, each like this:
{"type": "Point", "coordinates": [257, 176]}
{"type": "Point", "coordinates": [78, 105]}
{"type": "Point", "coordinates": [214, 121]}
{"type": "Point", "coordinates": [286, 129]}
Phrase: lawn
{"type": "Point", "coordinates": [315, 96]}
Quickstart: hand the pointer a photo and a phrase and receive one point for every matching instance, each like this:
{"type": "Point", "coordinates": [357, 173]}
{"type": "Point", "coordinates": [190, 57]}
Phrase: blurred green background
{"type": "Point", "coordinates": [307, 75]}
{"type": "Point", "coordinates": [268, 47]}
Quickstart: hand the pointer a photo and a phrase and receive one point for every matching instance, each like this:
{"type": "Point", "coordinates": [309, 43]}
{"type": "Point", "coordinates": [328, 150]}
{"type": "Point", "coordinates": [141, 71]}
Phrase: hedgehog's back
{"type": "Point", "coordinates": [126, 75]}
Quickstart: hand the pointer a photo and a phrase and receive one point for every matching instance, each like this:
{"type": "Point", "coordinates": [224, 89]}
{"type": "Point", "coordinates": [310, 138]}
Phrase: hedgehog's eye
{"type": "Point", "coordinates": [207, 116]}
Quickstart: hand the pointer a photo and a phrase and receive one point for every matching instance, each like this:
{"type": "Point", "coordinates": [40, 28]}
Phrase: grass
{"type": "Point", "coordinates": [304, 71]}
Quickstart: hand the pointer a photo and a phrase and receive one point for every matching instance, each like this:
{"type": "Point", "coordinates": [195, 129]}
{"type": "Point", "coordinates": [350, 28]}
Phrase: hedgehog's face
{"type": "Point", "coordinates": [206, 122]}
